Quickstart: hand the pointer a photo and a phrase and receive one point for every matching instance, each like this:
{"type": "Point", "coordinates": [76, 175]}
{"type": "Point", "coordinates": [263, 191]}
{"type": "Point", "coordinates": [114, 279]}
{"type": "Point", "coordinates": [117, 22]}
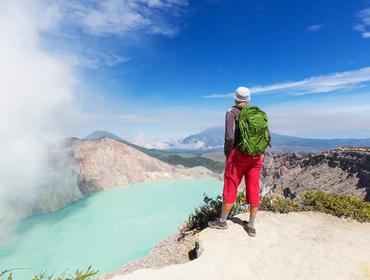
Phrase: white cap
{"type": "Point", "coordinates": [242, 94]}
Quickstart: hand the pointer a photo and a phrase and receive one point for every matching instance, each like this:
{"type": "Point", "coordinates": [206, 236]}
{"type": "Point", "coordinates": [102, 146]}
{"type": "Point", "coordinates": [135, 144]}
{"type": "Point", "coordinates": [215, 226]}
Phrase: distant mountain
{"type": "Point", "coordinates": [99, 134]}
{"type": "Point", "coordinates": [213, 139]}
{"type": "Point", "coordinates": [290, 143]}
{"type": "Point", "coordinates": [107, 163]}
{"type": "Point", "coordinates": [187, 158]}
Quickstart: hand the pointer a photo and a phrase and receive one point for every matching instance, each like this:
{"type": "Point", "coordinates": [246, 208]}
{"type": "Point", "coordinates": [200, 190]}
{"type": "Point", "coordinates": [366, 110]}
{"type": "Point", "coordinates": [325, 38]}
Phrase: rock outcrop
{"type": "Point", "coordinates": [343, 170]}
{"type": "Point", "coordinates": [107, 163]}
{"type": "Point", "coordinates": [303, 245]}
{"type": "Point", "coordinates": [83, 167]}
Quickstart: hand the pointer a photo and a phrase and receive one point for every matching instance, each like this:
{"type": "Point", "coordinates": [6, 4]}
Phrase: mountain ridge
{"type": "Point", "coordinates": [172, 157]}
{"type": "Point", "coordinates": [80, 167]}
{"type": "Point", "coordinates": [339, 170]}
{"type": "Point", "coordinates": [214, 138]}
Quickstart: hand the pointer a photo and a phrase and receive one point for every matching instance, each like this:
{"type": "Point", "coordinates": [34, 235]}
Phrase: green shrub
{"type": "Point", "coordinates": [211, 209]}
{"type": "Point", "coordinates": [240, 205]}
{"type": "Point", "coordinates": [280, 205]}
{"type": "Point", "coordinates": [78, 275]}
{"type": "Point", "coordinates": [338, 205]}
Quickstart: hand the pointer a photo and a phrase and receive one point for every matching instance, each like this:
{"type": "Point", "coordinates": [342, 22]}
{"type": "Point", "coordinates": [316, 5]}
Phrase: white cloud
{"type": "Point", "coordinates": [364, 15]}
{"type": "Point", "coordinates": [36, 94]}
{"type": "Point", "coordinates": [327, 118]}
{"type": "Point", "coordinates": [359, 27]}
{"type": "Point", "coordinates": [143, 140]}
{"type": "Point", "coordinates": [120, 17]}
{"type": "Point", "coordinates": [95, 60]}
{"type": "Point", "coordinates": [91, 117]}
{"type": "Point", "coordinates": [218, 95]}
{"type": "Point", "coordinates": [324, 83]}
{"type": "Point", "coordinates": [314, 28]}
{"type": "Point", "coordinates": [323, 117]}
{"type": "Point", "coordinates": [72, 27]}
{"type": "Point", "coordinates": [317, 84]}
{"type": "Point", "coordinates": [166, 123]}
{"type": "Point", "coordinates": [364, 26]}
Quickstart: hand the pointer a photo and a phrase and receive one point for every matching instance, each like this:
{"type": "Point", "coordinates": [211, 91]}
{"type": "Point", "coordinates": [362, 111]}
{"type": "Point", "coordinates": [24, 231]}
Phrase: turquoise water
{"type": "Point", "coordinates": [105, 230]}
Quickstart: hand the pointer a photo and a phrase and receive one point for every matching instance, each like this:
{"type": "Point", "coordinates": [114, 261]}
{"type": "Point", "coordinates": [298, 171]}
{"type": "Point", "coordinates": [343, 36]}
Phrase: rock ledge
{"type": "Point", "coordinates": [303, 245]}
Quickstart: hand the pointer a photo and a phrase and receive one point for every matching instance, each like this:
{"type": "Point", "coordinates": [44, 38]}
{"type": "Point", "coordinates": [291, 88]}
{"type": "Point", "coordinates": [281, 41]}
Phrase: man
{"type": "Point", "coordinates": [239, 164]}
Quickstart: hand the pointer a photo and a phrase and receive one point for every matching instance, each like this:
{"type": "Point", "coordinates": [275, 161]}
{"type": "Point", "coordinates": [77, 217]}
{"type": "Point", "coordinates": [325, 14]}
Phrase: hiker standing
{"type": "Point", "coordinates": [246, 138]}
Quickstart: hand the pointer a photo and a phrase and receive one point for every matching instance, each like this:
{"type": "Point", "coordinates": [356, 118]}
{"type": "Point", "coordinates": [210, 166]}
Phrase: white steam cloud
{"type": "Point", "coordinates": [36, 89]}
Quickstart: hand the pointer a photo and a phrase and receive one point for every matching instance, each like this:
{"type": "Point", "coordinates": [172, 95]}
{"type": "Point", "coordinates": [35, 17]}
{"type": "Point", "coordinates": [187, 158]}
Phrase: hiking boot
{"type": "Point", "coordinates": [217, 224]}
{"type": "Point", "coordinates": [251, 231]}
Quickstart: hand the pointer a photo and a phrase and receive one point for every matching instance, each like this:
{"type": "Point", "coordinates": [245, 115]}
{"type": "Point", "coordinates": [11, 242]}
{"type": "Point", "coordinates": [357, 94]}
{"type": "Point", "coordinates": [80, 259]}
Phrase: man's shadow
{"type": "Point", "coordinates": [239, 221]}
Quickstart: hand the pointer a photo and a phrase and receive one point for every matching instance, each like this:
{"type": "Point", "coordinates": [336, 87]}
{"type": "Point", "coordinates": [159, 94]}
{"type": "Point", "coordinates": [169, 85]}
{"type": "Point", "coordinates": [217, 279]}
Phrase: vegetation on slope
{"type": "Point", "coordinates": [215, 156]}
{"type": "Point", "coordinates": [211, 209]}
{"type": "Point", "coordinates": [280, 205]}
{"type": "Point", "coordinates": [212, 165]}
{"type": "Point", "coordinates": [78, 275]}
{"type": "Point", "coordinates": [338, 205]}
{"type": "Point", "coordinates": [186, 159]}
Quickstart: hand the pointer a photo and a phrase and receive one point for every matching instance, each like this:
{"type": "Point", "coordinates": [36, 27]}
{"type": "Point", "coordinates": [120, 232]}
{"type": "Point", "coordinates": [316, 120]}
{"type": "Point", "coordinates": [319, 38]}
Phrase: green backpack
{"type": "Point", "coordinates": [254, 134]}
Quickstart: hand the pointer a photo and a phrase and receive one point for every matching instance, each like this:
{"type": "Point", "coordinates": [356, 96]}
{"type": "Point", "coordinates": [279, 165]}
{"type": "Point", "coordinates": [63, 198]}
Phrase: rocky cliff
{"type": "Point", "coordinates": [107, 163]}
{"type": "Point", "coordinates": [343, 170]}
{"type": "Point", "coordinates": [83, 167]}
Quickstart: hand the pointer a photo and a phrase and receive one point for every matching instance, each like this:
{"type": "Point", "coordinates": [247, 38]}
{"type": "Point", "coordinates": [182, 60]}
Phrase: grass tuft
{"type": "Point", "coordinates": [78, 275]}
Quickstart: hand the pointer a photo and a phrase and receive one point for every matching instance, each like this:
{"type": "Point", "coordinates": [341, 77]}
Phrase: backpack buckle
{"type": "Point", "coordinates": [256, 156]}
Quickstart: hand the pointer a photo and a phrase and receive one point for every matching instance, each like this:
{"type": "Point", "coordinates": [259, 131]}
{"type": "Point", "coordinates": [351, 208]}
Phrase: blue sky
{"type": "Point", "coordinates": [151, 70]}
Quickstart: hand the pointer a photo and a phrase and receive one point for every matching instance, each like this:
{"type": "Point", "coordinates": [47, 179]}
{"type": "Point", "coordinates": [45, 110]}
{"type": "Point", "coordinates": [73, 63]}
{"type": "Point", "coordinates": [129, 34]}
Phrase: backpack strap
{"type": "Point", "coordinates": [239, 108]}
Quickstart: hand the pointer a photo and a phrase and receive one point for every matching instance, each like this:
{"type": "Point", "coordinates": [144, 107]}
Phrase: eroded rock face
{"type": "Point", "coordinates": [58, 187]}
{"type": "Point", "coordinates": [82, 167]}
{"type": "Point", "coordinates": [107, 163]}
{"type": "Point", "coordinates": [341, 171]}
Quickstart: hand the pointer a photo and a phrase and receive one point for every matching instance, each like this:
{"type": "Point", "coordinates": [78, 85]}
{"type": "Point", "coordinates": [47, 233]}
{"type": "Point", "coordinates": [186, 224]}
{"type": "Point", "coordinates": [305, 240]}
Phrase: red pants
{"type": "Point", "coordinates": [239, 164]}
